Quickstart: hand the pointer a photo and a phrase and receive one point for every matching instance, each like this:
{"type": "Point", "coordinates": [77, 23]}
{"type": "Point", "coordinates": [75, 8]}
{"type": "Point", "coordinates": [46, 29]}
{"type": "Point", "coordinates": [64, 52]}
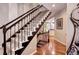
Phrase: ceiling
{"type": "Point", "coordinates": [58, 7]}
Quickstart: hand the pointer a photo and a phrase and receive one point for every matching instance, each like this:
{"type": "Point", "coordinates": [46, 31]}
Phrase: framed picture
{"type": "Point", "coordinates": [59, 23]}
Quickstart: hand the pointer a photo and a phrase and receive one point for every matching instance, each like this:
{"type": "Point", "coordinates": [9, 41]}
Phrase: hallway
{"type": "Point", "coordinates": [54, 47]}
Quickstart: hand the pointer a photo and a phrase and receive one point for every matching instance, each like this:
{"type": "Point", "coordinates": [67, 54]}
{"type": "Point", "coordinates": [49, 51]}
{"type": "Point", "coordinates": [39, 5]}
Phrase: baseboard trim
{"type": "Point", "coordinates": [33, 52]}
{"type": "Point", "coordinates": [61, 42]}
{"type": "Point", "coordinates": [58, 40]}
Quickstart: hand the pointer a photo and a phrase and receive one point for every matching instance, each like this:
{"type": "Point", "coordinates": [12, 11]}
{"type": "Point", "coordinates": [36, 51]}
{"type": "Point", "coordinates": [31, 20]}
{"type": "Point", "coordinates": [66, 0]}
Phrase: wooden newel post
{"type": "Point", "coordinates": [4, 37]}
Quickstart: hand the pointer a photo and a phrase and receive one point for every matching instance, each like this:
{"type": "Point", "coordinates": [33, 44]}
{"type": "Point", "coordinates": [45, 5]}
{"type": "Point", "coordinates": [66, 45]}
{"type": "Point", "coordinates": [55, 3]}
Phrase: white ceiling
{"type": "Point", "coordinates": [58, 7]}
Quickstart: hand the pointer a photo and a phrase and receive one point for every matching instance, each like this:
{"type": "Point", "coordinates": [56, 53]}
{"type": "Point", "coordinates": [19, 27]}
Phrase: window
{"type": "Point", "coordinates": [49, 24]}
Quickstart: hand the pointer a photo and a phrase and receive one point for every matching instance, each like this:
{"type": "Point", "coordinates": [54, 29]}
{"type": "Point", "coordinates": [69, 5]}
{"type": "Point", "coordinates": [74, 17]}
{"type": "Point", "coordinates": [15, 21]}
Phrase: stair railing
{"type": "Point", "coordinates": [16, 25]}
{"type": "Point", "coordinates": [74, 45]}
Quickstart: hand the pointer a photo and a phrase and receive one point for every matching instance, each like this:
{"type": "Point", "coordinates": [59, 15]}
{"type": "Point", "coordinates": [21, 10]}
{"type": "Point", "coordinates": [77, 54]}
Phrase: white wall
{"type": "Point", "coordinates": [8, 12]}
{"type": "Point", "coordinates": [17, 9]}
{"type": "Point", "coordinates": [60, 34]}
{"type": "Point", "coordinates": [20, 8]}
{"type": "Point", "coordinates": [4, 11]}
{"type": "Point", "coordinates": [24, 7]}
{"type": "Point", "coordinates": [69, 29]}
{"type": "Point", "coordinates": [12, 11]}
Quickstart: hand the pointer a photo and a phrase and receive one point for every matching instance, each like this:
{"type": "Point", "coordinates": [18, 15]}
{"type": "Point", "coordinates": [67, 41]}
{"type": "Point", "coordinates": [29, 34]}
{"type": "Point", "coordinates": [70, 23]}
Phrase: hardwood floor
{"type": "Point", "coordinates": [54, 47]}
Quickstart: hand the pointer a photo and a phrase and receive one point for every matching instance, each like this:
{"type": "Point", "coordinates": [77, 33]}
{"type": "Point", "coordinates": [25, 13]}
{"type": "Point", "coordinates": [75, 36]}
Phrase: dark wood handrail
{"type": "Point", "coordinates": [22, 18]}
{"type": "Point", "coordinates": [74, 24]}
{"type": "Point", "coordinates": [19, 17]}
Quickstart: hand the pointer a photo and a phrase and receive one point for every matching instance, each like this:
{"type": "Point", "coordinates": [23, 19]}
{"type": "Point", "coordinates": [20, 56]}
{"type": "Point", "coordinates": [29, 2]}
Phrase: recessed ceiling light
{"type": "Point", "coordinates": [53, 5]}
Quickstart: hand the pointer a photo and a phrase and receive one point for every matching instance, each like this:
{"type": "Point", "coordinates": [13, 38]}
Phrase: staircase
{"type": "Point", "coordinates": [19, 32]}
{"type": "Point", "coordinates": [43, 39]}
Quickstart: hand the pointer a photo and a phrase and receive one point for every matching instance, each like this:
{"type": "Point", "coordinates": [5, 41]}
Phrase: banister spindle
{"type": "Point", "coordinates": [10, 43]}
{"type": "Point", "coordinates": [29, 24]}
{"type": "Point", "coordinates": [24, 30]}
{"type": "Point", "coordinates": [37, 11]}
{"type": "Point", "coordinates": [31, 16]}
{"type": "Point", "coordinates": [15, 38]}
{"type": "Point", "coordinates": [18, 36]}
{"type": "Point", "coordinates": [28, 18]}
{"type": "Point", "coordinates": [21, 32]}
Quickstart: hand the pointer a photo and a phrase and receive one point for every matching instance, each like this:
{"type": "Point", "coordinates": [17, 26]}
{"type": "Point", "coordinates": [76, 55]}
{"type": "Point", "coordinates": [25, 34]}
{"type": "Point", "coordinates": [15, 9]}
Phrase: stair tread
{"type": "Point", "coordinates": [30, 37]}
{"type": "Point", "coordinates": [39, 46]}
{"type": "Point", "coordinates": [17, 49]}
{"type": "Point", "coordinates": [17, 52]}
{"type": "Point", "coordinates": [41, 43]}
{"type": "Point", "coordinates": [14, 35]}
{"type": "Point", "coordinates": [18, 32]}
